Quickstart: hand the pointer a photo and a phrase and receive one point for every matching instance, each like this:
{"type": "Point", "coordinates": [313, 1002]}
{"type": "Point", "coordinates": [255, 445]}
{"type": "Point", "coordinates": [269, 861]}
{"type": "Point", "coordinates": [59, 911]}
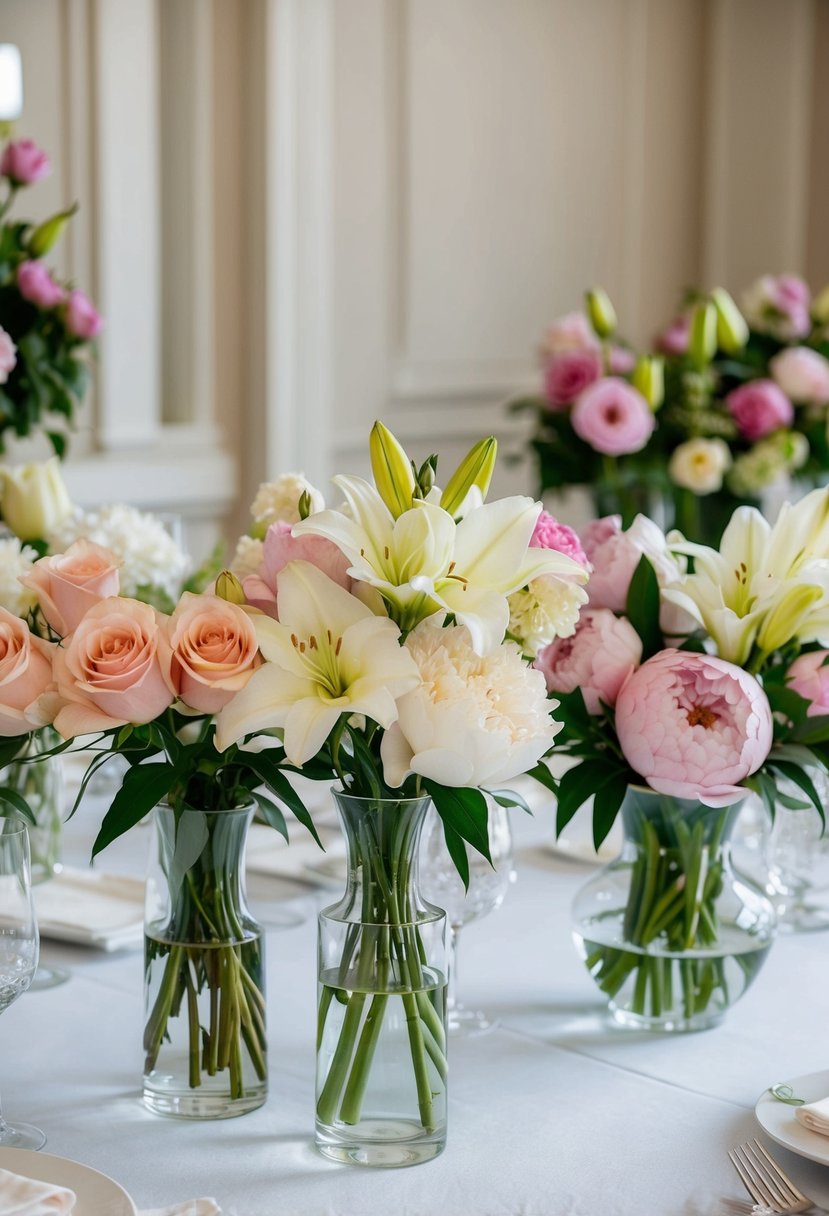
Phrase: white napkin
{"type": "Point", "coordinates": [193, 1207]}
{"type": "Point", "coordinates": [815, 1116]}
{"type": "Point", "coordinates": [27, 1197]}
{"type": "Point", "coordinates": [91, 908]}
{"type": "Point", "coordinates": [268, 853]}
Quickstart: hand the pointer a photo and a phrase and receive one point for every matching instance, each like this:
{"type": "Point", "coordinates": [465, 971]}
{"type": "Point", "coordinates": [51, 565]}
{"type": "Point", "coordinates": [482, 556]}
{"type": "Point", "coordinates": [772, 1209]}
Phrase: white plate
{"type": "Point", "coordinates": [777, 1118]}
{"type": "Point", "coordinates": [97, 1195]}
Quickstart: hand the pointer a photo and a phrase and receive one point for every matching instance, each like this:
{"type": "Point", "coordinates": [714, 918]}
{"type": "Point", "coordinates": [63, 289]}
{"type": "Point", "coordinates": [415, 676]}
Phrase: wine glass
{"type": "Point", "coordinates": [488, 885]}
{"type": "Point", "coordinates": [19, 944]}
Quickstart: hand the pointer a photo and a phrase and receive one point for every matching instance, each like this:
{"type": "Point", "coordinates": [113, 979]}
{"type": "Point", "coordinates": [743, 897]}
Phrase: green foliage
{"type": "Point", "coordinates": [642, 610]}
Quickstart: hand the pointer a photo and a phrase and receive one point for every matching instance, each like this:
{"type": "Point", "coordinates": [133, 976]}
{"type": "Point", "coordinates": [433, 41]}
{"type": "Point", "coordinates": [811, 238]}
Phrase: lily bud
{"type": "Point", "coordinates": [47, 234]}
{"type": "Point", "coordinates": [34, 499]}
{"type": "Point", "coordinates": [732, 328]}
{"type": "Point", "coordinates": [820, 307]}
{"type": "Point", "coordinates": [787, 616]}
{"type": "Point", "coordinates": [305, 505]}
{"type": "Point", "coordinates": [229, 588]}
{"type": "Point", "coordinates": [475, 469]}
{"type": "Point", "coordinates": [601, 312]}
{"type": "Point", "coordinates": [702, 345]}
{"type": "Point", "coordinates": [392, 470]}
{"type": "Point", "coordinates": [649, 378]}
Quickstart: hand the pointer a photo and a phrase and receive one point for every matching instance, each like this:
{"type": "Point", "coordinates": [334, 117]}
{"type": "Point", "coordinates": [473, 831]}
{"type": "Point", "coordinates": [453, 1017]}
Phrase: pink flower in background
{"type": "Point", "coordinates": [674, 340]}
{"type": "Point", "coordinates": [694, 726]}
{"type": "Point", "coordinates": [24, 163]}
{"type": "Point", "coordinates": [622, 361]}
{"type": "Point", "coordinates": [37, 285]}
{"type": "Point", "coordinates": [81, 318]}
{"type": "Point", "coordinates": [548, 533]}
{"type": "Point", "coordinates": [759, 407]}
{"type": "Point", "coordinates": [570, 332]}
{"type": "Point", "coordinates": [569, 374]}
{"type": "Point", "coordinates": [603, 652]}
{"type": "Point", "coordinates": [779, 305]}
{"type": "Point", "coordinates": [613, 417]}
{"type": "Point", "coordinates": [802, 374]}
{"type": "Point", "coordinates": [809, 676]}
{"type": "Point", "coordinates": [68, 584]}
{"type": "Point", "coordinates": [25, 673]}
{"type": "Point", "coordinates": [8, 356]}
{"type": "Point", "coordinates": [215, 651]}
{"type": "Point", "coordinates": [279, 549]}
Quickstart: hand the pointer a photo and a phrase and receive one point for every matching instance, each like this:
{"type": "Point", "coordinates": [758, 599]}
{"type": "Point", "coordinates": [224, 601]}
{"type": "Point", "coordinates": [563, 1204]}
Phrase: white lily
{"type": "Point", "coordinates": [327, 655]}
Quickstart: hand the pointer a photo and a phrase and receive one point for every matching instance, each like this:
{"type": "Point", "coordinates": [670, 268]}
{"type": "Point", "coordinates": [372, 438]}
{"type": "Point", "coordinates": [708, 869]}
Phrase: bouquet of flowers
{"type": "Point", "coordinates": [45, 325]}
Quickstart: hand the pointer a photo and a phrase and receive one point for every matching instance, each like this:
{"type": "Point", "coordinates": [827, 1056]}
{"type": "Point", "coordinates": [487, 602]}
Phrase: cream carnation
{"type": "Point", "coordinates": [16, 560]}
{"type": "Point", "coordinates": [278, 501]}
{"type": "Point", "coordinates": [699, 465]}
{"type": "Point", "coordinates": [548, 608]}
{"type": "Point", "coordinates": [247, 559]}
{"type": "Point", "coordinates": [472, 720]}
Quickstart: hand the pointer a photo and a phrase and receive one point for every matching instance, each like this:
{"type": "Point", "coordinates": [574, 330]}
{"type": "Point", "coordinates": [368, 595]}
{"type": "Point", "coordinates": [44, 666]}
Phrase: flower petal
{"type": "Point", "coordinates": [264, 702]}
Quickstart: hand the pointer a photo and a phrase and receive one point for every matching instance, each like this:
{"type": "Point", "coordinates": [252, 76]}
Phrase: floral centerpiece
{"type": "Point", "coordinates": [680, 693]}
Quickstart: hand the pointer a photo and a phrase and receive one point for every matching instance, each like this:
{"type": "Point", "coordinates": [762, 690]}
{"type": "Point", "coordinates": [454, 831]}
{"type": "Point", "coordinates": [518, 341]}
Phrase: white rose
{"type": "Point", "coordinates": [699, 465]}
{"type": "Point", "coordinates": [802, 374]}
{"type": "Point", "coordinates": [34, 498]}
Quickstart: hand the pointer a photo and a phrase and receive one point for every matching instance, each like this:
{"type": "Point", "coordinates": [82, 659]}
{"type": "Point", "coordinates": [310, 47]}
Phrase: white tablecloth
{"type": "Point", "coordinates": [555, 1113]}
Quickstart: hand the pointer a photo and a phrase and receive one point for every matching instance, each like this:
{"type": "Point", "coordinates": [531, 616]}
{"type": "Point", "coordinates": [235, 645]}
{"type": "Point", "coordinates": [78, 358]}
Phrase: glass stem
{"type": "Point", "coordinates": [452, 978]}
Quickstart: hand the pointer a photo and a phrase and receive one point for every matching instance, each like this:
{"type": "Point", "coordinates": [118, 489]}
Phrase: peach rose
{"type": "Point", "coordinates": [25, 673]}
{"type": "Point", "coordinates": [215, 651]}
{"type": "Point", "coordinates": [114, 669]}
{"type": "Point", "coordinates": [68, 584]}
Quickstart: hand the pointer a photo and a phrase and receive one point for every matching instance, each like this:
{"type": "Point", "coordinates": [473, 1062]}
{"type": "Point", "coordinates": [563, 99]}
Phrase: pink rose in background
{"type": "Point", "coordinates": [24, 163]}
{"type": "Point", "coordinates": [8, 356]}
{"type": "Point", "coordinates": [114, 669]}
{"type": "Point", "coordinates": [25, 673]}
{"type": "Point", "coordinates": [759, 407]}
{"type": "Point", "coordinates": [568, 374]}
{"type": "Point", "coordinates": [614, 556]}
{"type": "Point", "coordinates": [693, 726]}
{"type": "Point", "coordinates": [81, 318]}
{"type": "Point", "coordinates": [548, 533]}
{"type": "Point", "coordinates": [68, 584]}
{"type": "Point", "coordinates": [674, 340]}
{"type": "Point", "coordinates": [603, 652]}
{"type": "Point", "coordinates": [215, 651]}
{"type": "Point", "coordinates": [809, 676]}
{"type": "Point", "coordinates": [613, 417]}
{"type": "Point", "coordinates": [779, 305]}
{"type": "Point", "coordinates": [802, 374]}
{"type": "Point", "coordinates": [570, 332]}
{"type": "Point", "coordinates": [622, 361]}
{"type": "Point", "coordinates": [279, 549]}
{"type": "Point", "coordinates": [37, 285]}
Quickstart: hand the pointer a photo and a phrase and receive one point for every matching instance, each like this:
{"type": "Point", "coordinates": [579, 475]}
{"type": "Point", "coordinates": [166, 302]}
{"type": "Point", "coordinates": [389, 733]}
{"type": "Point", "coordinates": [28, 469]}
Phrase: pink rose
{"type": "Point", "coordinates": [802, 374]}
{"type": "Point", "coordinates": [569, 374]}
{"type": "Point", "coordinates": [603, 652]}
{"type": "Point", "coordinates": [25, 673]}
{"type": "Point", "coordinates": [759, 407]}
{"type": "Point", "coordinates": [674, 340]}
{"type": "Point", "coordinates": [8, 356]}
{"type": "Point", "coordinates": [280, 548]}
{"type": "Point", "coordinates": [693, 726]}
{"type": "Point", "coordinates": [613, 417]}
{"type": "Point", "coordinates": [80, 316]}
{"type": "Point", "coordinates": [114, 669]}
{"type": "Point", "coordinates": [215, 651]}
{"type": "Point", "coordinates": [24, 162]}
{"type": "Point", "coordinates": [809, 676]}
{"type": "Point", "coordinates": [36, 285]}
{"type": "Point", "coordinates": [779, 305]}
{"type": "Point", "coordinates": [548, 533]}
{"type": "Point", "coordinates": [570, 332]}
{"type": "Point", "coordinates": [68, 584]}
{"type": "Point", "coordinates": [621, 361]}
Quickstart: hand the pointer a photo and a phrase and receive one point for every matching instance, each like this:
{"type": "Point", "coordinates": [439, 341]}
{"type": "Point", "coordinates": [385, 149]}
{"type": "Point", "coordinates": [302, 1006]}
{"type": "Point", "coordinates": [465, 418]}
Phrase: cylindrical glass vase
{"type": "Point", "coordinates": [204, 973]}
{"type": "Point", "coordinates": [671, 935]}
{"type": "Point", "coordinates": [40, 782]}
{"type": "Point", "coordinates": [381, 1033]}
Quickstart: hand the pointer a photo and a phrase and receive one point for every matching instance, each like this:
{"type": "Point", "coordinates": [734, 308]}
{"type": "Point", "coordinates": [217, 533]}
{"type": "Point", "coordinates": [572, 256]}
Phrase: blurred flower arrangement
{"type": "Point", "coordinates": [46, 325]}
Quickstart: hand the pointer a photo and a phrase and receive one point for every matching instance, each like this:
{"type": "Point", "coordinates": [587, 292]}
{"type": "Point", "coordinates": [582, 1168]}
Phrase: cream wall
{"type": "Point", "coordinates": [299, 215]}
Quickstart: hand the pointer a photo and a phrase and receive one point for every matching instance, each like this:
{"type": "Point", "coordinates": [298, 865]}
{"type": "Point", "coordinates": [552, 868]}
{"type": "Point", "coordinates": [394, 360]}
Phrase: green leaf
{"type": "Point", "coordinates": [457, 851]}
{"type": "Point", "coordinates": [465, 811]}
{"type": "Point", "coordinates": [18, 804]}
{"type": "Point", "coordinates": [58, 442]}
{"type": "Point", "coordinates": [509, 798]}
{"type": "Point", "coordinates": [609, 797]}
{"type": "Point", "coordinates": [279, 785]}
{"type": "Point", "coordinates": [801, 778]}
{"type": "Point", "coordinates": [143, 787]}
{"type": "Point", "coordinates": [191, 836]}
{"type": "Point", "coordinates": [271, 814]}
{"type": "Point", "coordinates": [575, 787]}
{"type": "Point", "coordinates": [642, 609]}
{"type": "Point", "coordinates": [92, 768]}
{"type": "Point", "coordinates": [544, 777]}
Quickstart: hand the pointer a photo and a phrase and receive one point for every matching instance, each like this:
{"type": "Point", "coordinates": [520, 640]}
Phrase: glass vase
{"type": "Point", "coordinates": [204, 1034]}
{"type": "Point", "coordinates": [671, 935]}
{"type": "Point", "coordinates": [381, 1031]}
{"type": "Point", "coordinates": [40, 782]}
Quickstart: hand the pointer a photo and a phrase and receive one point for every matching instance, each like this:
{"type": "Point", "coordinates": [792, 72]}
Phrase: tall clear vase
{"type": "Point", "coordinates": [381, 1033]}
{"type": "Point", "coordinates": [204, 1036]}
{"type": "Point", "coordinates": [41, 783]}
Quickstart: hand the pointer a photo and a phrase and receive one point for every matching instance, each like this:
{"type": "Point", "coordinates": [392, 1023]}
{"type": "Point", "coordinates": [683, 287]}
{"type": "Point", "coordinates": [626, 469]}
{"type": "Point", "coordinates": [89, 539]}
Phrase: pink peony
{"type": "Point", "coordinates": [802, 374]}
{"type": "Point", "coordinates": [279, 549]}
{"type": "Point", "coordinates": [759, 408]}
{"type": "Point", "coordinates": [8, 355]}
{"type": "Point", "coordinates": [570, 332]}
{"type": "Point", "coordinates": [614, 556]}
{"type": "Point", "coordinates": [68, 584]}
{"type": "Point", "coordinates": [779, 305]}
{"type": "Point", "coordinates": [24, 162]}
{"type": "Point", "coordinates": [603, 652]}
{"type": "Point", "coordinates": [81, 318]}
{"type": "Point", "coordinates": [36, 285]}
{"type": "Point", "coordinates": [809, 676]}
{"type": "Point", "coordinates": [569, 374]}
{"type": "Point", "coordinates": [674, 340]}
{"type": "Point", "coordinates": [693, 726]}
{"type": "Point", "coordinates": [621, 361]}
{"type": "Point", "coordinates": [613, 417]}
{"type": "Point", "coordinates": [548, 533]}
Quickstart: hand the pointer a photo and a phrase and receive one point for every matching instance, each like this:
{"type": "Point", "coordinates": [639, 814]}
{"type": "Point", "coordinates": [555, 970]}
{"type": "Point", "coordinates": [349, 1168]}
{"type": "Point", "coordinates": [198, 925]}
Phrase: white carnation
{"type": "Point", "coordinates": [149, 555]}
{"type": "Point", "coordinates": [278, 501]}
{"type": "Point", "coordinates": [548, 608]}
{"type": "Point", "coordinates": [247, 560]}
{"type": "Point", "coordinates": [699, 465]}
{"type": "Point", "coordinates": [16, 559]}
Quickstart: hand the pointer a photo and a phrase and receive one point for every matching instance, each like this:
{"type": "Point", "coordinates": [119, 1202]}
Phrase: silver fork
{"type": "Point", "coordinates": [765, 1182]}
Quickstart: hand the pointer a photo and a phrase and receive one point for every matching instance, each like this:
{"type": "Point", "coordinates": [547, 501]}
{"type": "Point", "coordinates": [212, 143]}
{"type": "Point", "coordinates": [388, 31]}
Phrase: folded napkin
{"type": "Point", "coordinates": [91, 908]}
{"type": "Point", "coordinates": [193, 1207]}
{"type": "Point", "coordinates": [814, 1115]}
{"type": "Point", "coordinates": [268, 853]}
{"type": "Point", "coordinates": [27, 1197]}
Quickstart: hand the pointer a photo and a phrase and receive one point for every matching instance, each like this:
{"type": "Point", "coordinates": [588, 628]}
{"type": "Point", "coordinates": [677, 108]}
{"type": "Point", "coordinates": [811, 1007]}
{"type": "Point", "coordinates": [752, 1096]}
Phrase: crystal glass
{"type": "Point", "coordinates": [19, 945]}
{"type": "Point", "coordinates": [488, 885]}
{"type": "Point", "coordinates": [797, 858]}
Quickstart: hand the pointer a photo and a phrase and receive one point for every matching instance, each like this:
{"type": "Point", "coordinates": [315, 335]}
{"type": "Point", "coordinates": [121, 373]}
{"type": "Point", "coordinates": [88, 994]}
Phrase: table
{"type": "Point", "coordinates": [554, 1113]}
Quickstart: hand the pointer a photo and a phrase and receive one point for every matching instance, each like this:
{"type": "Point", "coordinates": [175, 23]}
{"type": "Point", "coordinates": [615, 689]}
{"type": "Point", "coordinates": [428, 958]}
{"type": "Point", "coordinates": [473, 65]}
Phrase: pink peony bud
{"type": "Point", "coordinates": [613, 418]}
{"type": "Point", "coordinates": [24, 163]}
{"type": "Point", "coordinates": [36, 285]}
{"type": "Point", "coordinates": [603, 652]}
{"type": "Point", "coordinates": [802, 374]}
{"type": "Point", "coordinates": [8, 356]}
{"type": "Point", "coordinates": [81, 318]}
{"type": "Point", "coordinates": [569, 374]}
{"type": "Point", "coordinates": [279, 549]}
{"type": "Point", "coordinates": [809, 676]}
{"type": "Point", "coordinates": [759, 408]}
{"type": "Point", "coordinates": [548, 533]}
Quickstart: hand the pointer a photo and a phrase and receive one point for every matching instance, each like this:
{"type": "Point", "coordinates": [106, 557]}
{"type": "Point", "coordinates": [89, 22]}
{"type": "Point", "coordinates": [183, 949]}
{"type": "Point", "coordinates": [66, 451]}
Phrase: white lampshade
{"type": "Point", "coordinates": [11, 82]}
